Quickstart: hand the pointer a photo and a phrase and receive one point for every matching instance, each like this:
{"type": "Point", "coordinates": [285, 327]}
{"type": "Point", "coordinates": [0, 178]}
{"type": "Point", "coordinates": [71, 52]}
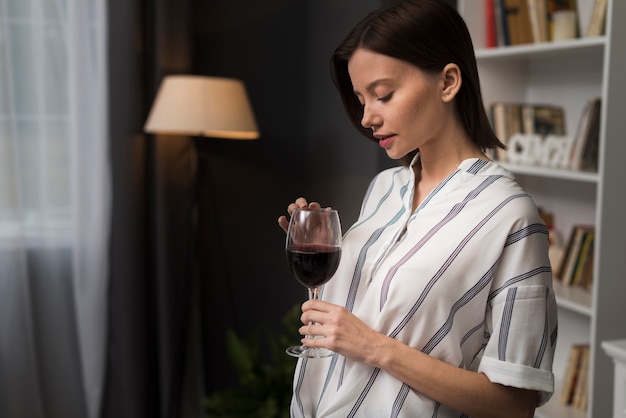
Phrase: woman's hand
{"type": "Point", "coordinates": [300, 202]}
{"type": "Point", "coordinates": [343, 332]}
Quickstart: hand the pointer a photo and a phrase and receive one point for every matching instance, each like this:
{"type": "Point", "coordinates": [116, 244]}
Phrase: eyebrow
{"type": "Point", "coordinates": [373, 84]}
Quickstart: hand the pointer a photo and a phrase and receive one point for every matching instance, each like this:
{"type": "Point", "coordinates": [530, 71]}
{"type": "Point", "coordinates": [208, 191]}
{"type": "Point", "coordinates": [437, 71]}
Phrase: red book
{"type": "Point", "coordinates": [490, 25]}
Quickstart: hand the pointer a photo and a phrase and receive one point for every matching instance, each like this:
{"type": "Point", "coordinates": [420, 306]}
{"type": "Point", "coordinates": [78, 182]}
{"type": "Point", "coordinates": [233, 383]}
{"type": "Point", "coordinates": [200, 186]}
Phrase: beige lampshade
{"type": "Point", "coordinates": [202, 106]}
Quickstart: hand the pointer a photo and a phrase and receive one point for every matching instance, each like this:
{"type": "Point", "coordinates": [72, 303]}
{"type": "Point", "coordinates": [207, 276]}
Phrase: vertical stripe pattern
{"type": "Point", "coordinates": [464, 278]}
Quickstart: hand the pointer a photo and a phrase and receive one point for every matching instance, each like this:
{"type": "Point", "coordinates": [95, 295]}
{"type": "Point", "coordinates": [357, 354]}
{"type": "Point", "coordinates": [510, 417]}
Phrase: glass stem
{"type": "Point", "coordinates": [312, 295]}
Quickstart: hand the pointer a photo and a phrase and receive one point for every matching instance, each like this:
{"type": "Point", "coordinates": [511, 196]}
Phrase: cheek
{"type": "Point", "coordinates": [418, 115]}
{"type": "Point", "coordinates": [427, 112]}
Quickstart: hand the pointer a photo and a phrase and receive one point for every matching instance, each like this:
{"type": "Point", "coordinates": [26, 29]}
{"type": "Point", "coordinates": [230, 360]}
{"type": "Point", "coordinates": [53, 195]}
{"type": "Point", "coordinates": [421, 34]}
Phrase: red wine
{"type": "Point", "coordinates": [313, 264]}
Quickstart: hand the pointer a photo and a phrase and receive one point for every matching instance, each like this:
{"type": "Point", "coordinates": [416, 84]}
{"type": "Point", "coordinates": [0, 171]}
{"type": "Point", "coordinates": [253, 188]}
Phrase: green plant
{"type": "Point", "coordinates": [264, 388]}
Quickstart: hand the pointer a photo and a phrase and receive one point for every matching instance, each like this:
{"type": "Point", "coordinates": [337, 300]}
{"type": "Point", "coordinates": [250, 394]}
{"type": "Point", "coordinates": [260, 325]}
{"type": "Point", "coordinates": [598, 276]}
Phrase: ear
{"type": "Point", "coordinates": [451, 82]}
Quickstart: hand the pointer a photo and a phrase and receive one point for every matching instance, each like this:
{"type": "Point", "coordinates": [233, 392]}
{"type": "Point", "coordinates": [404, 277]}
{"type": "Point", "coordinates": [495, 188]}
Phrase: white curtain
{"type": "Point", "coordinates": [54, 207]}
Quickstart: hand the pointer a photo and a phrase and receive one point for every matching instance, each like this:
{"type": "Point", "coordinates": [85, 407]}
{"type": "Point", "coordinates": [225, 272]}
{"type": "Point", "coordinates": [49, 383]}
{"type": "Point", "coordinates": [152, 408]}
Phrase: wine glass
{"type": "Point", "coordinates": [313, 249]}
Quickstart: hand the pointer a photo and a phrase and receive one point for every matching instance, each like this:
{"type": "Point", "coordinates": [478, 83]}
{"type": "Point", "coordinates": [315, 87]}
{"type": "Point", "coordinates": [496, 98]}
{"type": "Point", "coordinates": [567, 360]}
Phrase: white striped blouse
{"type": "Point", "coordinates": [465, 278]}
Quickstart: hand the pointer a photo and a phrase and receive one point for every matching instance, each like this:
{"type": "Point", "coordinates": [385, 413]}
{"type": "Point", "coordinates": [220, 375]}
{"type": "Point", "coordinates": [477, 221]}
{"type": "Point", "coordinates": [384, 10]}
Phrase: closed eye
{"type": "Point", "coordinates": [385, 98]}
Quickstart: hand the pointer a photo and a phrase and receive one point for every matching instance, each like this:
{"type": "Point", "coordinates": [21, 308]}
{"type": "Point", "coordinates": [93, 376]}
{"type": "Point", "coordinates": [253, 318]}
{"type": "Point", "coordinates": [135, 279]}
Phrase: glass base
{"type": "Point", "coordinates": [308, 352]}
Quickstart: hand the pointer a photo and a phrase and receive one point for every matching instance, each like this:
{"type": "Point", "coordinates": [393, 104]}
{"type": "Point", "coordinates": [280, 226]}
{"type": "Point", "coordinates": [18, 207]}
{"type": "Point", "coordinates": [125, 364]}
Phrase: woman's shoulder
{"type": "Point", "coordinates": [503, 188]}
{"type": "Point", "coordinates": [500, 176]}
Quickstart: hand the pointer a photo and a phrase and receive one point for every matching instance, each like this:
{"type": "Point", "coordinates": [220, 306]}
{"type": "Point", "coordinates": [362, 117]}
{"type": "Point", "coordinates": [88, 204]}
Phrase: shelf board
{"type": "Point", "coordinates": [616, 349]}
{"type": "Point", "coordinates": [537, 171]}
{"type": "Point", "coordinates": [566, 47]}
{"type": "Point", "coordinates": [575, 299]}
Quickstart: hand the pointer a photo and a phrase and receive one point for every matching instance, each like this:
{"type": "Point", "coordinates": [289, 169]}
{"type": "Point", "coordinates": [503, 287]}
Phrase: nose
{"type": "Point", "coordinates": [369, 119]}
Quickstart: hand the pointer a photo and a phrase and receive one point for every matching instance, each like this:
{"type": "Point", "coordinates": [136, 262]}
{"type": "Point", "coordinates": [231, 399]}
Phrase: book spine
{"type": "Point", "coordinates": [573, 254]}
{"type": "Point", "coordinates": [571, 376]}
{"type": "Point", "coordinates": [491, 38]}
{"type": "Point", "coordinates": [501, 25]}
{"type": "Point", "coordinates": [589, 158]}
{"type": "Point", "coordinates": [598, 18]}
{"type": "Point", "coordinates": [582, 257]}
{"type": "Point", "coordinates": [518, 22]}
{"type": "Point", "coordinates": [533, 15]}
{"type": "Point", "coordinates": [580, 138]}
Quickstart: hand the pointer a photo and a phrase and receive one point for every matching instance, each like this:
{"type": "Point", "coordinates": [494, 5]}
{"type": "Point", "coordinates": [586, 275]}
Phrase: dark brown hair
{"type": "Point", "coordinates": [428, 34]}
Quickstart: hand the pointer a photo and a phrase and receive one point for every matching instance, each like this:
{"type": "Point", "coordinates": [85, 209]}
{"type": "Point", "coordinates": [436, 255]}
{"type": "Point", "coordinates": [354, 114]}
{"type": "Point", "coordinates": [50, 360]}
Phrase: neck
{"type": "Point", "coordinates": [436, 164]}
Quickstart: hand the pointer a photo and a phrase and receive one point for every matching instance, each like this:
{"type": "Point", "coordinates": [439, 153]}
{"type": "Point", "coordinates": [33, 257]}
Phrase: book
{"type": "Point", "coordinates": [506, 119]}
{"type": "Point", "coordinates": [543, 119]}
{"type": "Point", "coordinates": [568, 258]}
{"type": "Point", "coordinates": [538, 20]}
{"type": "Point", "coordinates": [518, 22]}
{"type": "Point", "coordinates": [598, 18]}
{"type": "Point", "coordinates": [491, 37]}
{"type": "Point", "coordinates": [499, 12]}
{"type": "Point", "coordinates": [586, 250]}
{"type": "Point", "coordinates": [589, 158]}
{"type": "Point", "coordinates": [580, 138]}
{"type": "Point", "coordinates": [586, 280]}
{"type": "Point", "coordinates": [579, 398]}
{"type": "Point", "coordinates": [584, 151]}
{"type": "Point", "coordinates": [575, 384]}
{"type": "Point", "coordinates": [572, 254]}
{"type": "Point", "coordinates": [572, 373]}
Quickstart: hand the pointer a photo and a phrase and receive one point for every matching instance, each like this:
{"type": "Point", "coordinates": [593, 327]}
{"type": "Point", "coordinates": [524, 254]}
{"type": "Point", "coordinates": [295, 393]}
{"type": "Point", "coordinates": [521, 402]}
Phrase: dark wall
{"type": "Point", "coordinates": [340, 161]}
{"type": "Point", "coordinates": [281, 50]}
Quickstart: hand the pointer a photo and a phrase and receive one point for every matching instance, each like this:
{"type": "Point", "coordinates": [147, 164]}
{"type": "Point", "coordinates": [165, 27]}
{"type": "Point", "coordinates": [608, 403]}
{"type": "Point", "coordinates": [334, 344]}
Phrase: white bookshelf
{"type": "Point", "coordinates": [568, 73]}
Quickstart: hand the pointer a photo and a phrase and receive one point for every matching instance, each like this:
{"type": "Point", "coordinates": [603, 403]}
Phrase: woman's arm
{"type": "Point", "coordinates": [460, 389]}
{"type": "Point", "coordinates": [466, 391]}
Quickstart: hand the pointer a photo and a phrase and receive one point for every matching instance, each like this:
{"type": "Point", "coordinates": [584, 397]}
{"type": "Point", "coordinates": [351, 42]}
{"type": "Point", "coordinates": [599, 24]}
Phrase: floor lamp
{"type": "Point", "coordinates": [204, 108]}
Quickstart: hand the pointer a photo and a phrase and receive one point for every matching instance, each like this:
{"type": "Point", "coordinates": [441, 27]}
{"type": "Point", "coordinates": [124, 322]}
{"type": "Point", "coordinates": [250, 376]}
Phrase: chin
{"type": "Point", "coordinates": [394, 155]}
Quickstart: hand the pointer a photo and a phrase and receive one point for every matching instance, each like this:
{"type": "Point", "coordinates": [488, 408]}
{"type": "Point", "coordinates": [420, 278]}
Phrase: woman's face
{"type": "Point", "coordinates": [401, 104]}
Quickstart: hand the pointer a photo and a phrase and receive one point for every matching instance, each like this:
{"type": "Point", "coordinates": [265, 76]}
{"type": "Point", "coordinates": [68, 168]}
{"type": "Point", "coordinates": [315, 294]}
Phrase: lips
{"type": "Point", "coordinates": [385, 141]}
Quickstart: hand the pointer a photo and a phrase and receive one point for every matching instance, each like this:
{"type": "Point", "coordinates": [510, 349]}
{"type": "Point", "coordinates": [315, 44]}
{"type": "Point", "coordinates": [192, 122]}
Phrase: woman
{"type": "Point", "coordinates": [442, 305]}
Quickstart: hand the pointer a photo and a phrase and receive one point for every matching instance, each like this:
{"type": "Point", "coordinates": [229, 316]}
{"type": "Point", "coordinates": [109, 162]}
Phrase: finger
{"type": "Point", "coordinates": [283, 222]}
{"type": "Point", "coordinates": [316, 342]}
{"type": "Point", "coordinates": [317, 305]}
{"type": "Point", "coordinates": [314, 329]}
{"type": "Point", "coordinates": [301, 202]}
